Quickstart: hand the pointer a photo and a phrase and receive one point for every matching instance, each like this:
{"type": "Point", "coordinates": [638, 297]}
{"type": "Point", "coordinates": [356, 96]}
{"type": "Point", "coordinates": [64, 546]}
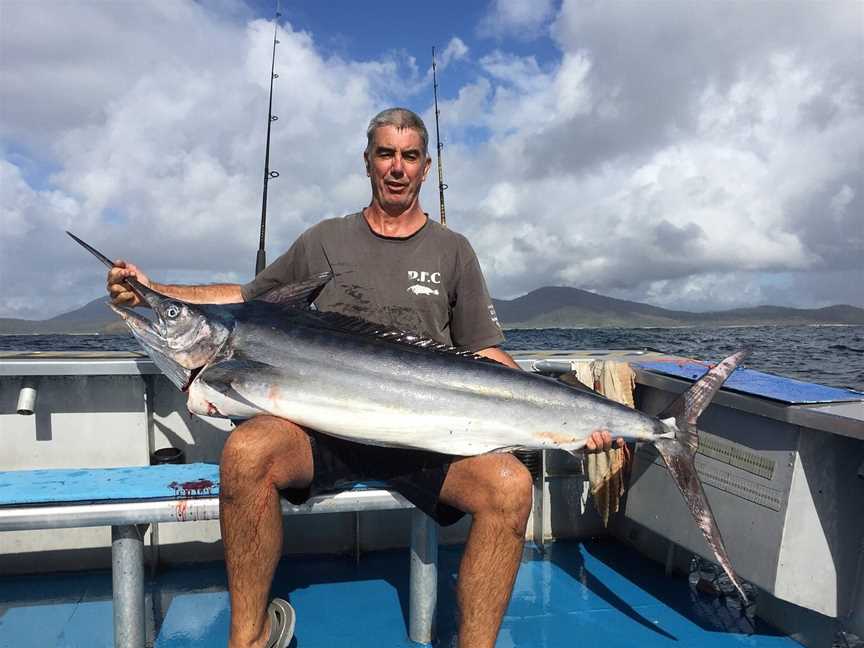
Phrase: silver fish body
{"type": "Point", "coordinates": [377, 392]}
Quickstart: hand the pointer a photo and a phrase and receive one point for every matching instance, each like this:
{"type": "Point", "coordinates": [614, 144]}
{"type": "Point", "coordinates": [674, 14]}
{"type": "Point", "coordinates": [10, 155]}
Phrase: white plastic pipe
{"type": "Point", "coordinates": [27, 397]}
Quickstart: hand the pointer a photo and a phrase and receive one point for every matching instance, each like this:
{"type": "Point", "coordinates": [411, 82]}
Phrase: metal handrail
{"type": "Point", "coordinates": [69, 516]}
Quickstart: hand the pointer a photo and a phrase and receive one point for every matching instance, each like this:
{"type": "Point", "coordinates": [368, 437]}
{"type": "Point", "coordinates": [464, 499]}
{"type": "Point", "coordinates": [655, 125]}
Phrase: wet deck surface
{"type": "Point", "coordinates": [578, 594]}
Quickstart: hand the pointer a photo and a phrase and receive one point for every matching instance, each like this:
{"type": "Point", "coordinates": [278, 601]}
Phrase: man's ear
{"type": "Point", "coordinates": [366, 162]}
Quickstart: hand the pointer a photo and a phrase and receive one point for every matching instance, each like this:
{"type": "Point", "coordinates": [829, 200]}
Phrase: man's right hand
{"type": "Point", "coordinates": [121, 293]}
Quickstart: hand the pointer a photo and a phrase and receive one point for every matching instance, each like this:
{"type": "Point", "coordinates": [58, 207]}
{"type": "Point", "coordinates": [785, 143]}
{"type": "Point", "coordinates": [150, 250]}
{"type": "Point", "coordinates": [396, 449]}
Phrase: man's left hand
{"type": "Point", "coordinates": [601, 440]}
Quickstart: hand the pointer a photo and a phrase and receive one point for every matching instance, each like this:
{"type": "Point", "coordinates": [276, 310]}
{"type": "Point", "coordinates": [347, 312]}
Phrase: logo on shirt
{"type": "Point", "coordinates": [423, 277]}
{"type": "Point", "coordinates": [418, 289]}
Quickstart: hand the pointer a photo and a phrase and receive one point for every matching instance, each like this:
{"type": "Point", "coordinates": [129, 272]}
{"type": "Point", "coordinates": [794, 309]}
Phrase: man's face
{"type": "Point", "coordinates": [397, 167]}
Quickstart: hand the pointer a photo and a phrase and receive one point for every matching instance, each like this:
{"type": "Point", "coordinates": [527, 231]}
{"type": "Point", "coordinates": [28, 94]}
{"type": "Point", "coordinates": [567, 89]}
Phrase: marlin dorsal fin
{"type": "Point", "coordinates": [389, 335]}
{"type": "Point", "coordinates": [297, 295]}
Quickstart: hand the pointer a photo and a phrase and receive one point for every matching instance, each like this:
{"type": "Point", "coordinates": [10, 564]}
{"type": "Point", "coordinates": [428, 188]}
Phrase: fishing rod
{"type": "Point", "coordinates": [261, 258]}
{"type": "Point", "coordinates": [441, 185]}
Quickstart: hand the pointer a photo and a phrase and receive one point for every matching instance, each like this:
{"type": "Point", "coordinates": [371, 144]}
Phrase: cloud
{"type": "Point", "coordinates": [687, 158]}
{"type": "Point", "coordinates": [160, 156]}
{"type": "Point", "coordinates": [667, 152]}
{"type": "Point", "coordinates": [456, 49]}
{"type": "Point", "coordinates": [516, 18]}
{"type": "Point", "coordinates": [89, 53]}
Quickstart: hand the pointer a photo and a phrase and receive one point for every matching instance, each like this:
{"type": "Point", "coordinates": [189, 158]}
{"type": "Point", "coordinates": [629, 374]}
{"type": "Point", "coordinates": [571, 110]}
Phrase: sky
{"type": "Point", "coordinates": [689, 154]}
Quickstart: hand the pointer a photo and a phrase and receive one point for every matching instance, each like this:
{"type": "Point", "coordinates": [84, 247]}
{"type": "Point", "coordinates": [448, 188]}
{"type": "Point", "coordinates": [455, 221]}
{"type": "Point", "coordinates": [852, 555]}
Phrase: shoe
{"type": "Point", "coordinates": [282, 620]}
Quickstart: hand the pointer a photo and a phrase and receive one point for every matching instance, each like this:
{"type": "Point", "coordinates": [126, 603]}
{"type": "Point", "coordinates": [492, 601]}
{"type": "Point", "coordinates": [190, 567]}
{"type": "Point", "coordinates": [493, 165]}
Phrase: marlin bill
{"type": "Point", "coordinates": [364, 382]}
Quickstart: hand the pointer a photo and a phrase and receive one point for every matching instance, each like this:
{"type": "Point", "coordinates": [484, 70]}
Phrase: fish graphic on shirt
{"type": "Point", "coordinates": [419, 289]}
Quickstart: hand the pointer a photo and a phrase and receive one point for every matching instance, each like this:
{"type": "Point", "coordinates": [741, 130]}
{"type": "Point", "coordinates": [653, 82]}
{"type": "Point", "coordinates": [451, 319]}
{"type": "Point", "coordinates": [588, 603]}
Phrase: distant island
{"type": "Point", "coordinates": [563, 307]}
{"type": "Point", "coordinates": [94, 318]}
{"type": "Point", "coordinates": [549, 307]}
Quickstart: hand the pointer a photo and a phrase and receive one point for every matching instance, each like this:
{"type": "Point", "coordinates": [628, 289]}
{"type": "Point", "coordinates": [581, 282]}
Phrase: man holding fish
{"type": "Point", "coordinates": [394, 266]}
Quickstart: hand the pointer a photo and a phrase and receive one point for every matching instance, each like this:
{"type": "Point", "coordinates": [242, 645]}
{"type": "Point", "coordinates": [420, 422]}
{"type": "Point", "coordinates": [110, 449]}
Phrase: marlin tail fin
{"type": "Point", "coordinates": [679, 453]}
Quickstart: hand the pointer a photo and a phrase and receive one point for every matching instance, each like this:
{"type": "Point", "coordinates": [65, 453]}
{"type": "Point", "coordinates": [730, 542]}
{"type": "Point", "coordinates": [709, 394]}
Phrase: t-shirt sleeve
{"type": "Point", "coordinates": [291, 267]}
{"type": "Point", "coordinates": [474, 324]}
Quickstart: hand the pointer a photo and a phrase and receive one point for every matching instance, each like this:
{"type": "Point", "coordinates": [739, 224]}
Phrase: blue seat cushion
{"type": "Point", "coordinates": [92, 485]}
{"type": "Point", "coordinates": [102, 485]}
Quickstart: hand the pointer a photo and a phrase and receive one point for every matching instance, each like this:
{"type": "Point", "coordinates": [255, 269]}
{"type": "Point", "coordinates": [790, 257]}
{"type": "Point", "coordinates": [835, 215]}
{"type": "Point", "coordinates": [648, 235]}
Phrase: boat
{"type": "Point", "coordinates": [782, 462]}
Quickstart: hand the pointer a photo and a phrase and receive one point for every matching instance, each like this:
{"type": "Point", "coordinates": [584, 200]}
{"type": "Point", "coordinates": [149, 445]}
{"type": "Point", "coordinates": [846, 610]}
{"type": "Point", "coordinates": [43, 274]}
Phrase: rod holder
{"type": "Point", "coordinates": [27, 397]}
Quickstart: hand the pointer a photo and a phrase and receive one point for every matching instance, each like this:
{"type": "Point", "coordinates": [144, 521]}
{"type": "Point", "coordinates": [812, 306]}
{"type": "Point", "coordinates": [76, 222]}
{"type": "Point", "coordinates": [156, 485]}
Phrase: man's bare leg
{"type": "Point", "coordinates": [496, 490]}
{"type": "Point", "coordinates": [261, 455]}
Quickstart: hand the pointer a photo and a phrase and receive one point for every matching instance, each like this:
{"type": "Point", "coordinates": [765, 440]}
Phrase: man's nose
{"type": "Point", "coordinates": [396, 168]}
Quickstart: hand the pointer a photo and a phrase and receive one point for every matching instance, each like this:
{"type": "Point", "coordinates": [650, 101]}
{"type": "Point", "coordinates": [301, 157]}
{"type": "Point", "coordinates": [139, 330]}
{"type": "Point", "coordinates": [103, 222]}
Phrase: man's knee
{"type": "Point", "coordinates": [261, 448]}
{"type": "Point", "coordinates": [517, 487]}
{"type": "Point", "coordinates": [509, 491]}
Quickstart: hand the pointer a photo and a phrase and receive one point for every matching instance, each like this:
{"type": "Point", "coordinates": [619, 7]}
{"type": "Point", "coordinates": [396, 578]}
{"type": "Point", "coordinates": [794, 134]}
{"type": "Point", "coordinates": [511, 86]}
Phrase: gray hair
{"type": "Point", "coordinates": [400, 118]}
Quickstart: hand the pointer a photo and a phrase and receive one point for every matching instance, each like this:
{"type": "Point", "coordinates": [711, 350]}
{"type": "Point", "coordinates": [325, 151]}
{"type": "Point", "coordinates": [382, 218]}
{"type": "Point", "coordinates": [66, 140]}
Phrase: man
{"type": "Point", "coordinates": [394, 266]}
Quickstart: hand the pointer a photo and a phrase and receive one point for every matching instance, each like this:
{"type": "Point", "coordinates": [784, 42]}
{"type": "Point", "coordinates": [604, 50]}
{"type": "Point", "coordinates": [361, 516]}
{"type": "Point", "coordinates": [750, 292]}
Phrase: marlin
{"type": "Point", "coordinates": [368, 383]}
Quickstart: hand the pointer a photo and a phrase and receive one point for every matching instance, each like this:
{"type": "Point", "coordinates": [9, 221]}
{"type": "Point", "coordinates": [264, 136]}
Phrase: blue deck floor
{"type": "Point", "coordinates": [579, 594]}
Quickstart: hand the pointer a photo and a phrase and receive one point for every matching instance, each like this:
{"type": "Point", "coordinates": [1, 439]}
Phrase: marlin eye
{"type": "Point", "coordinates": [172, 311]}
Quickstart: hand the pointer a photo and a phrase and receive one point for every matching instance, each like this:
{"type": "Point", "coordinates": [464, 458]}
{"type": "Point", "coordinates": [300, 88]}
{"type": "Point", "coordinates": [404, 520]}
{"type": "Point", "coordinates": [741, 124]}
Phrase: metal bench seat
{"type": "Point", "coordinates": [129, 499]}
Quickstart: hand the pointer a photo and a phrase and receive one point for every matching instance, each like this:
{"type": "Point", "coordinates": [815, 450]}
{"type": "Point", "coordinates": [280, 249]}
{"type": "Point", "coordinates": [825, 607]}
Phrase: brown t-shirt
{"type": "Point", "coordinates": [429, 283]}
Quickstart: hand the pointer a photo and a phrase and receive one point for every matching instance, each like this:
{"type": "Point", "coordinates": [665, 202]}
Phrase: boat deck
{"type": "Point", "coordinates": [596, 593]}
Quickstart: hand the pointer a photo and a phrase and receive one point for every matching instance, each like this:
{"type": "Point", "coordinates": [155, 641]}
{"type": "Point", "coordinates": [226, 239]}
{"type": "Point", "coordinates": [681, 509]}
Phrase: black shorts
{"type": "Point", "coordinates": [415, 474]}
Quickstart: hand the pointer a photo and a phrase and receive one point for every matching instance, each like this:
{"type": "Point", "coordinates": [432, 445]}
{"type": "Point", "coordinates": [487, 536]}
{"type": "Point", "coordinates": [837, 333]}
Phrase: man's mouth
{"type": "Point", "coordinates": [395, 187]}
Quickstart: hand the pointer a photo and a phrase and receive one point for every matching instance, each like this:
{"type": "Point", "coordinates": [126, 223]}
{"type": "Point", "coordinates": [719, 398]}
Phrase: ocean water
{"type": "Point", "coordinates": [828, 355]}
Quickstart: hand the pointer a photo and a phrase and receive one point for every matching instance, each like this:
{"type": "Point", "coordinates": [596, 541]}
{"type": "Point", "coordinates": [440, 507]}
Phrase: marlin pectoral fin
{"type": "Point", "coordinates": [226, 376]}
